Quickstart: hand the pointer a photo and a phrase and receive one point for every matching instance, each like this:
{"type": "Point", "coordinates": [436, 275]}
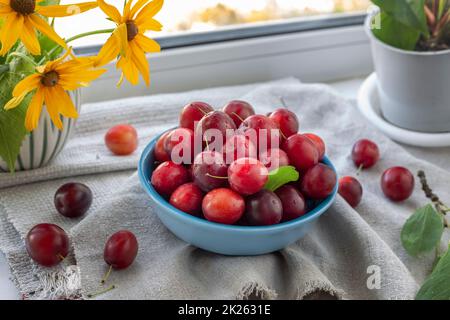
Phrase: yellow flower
{"type": "Point", "coordinates": [50, 82]}
{"type": "Point", "coordinates": [128, 38]}
{"type": "Point", "coordinates": [23, 17]}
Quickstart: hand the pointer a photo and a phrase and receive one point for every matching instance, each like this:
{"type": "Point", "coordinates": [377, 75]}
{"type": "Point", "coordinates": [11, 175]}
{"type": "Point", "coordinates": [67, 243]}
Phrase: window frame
{"type": "Point", "coordinates": [336, 50]}
{"type": "Point", "coordinates": [249, 31]}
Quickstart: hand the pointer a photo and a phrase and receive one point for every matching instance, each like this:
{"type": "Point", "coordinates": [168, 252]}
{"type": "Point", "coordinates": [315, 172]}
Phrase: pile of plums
{"type": "Point", "coordinates": [216, 165]}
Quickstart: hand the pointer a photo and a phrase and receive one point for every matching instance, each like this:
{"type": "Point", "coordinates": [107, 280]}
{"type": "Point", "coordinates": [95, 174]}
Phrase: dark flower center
{"type": "Point", "coordinates": [132, 30]}
{"type": "Point", "coordinates": [23, 6]}
{"type": "Point", "coordinates": [50, 79]}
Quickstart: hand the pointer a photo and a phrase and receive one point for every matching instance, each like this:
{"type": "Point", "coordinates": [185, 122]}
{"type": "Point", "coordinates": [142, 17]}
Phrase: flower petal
{"type": "Point", "coordinates": [45, 28]}
{"type": "Point", "coordinates": [80, 79]}
{"type": "Point", "coordinates": [51, 65]}
{"type": "Point", "coordinates": [65, 10]}
{"type": "Point", "coordinates": [140, 61]}
{"type": "Point", "coordinates": [147, 44]}
{"type": "Point", "coordinates": [121, 35]}
{"type": "Point", "coordinates": [110, 11]}
{"type": "Point", "coordinates": [69, 85]}
{"type": "Point", "coordinates": [149, 24]}
{"type": "Point", "coordinates": [138, 6]}
{"type": "Point", "coordinates": [4, 8]}
{"type": "Point", "coordinates": [66, 106]}
{"type": "Point", "coordinates": [10, 32]}
{"type": "Point", "coordinates": [52, 104]}
{"type": "Point", "coordinates": [129, 70]}
{"type": "Point", "coordinates": [77, 73]}
{"type": "Point", "coordinates": [108, 52]}
{"type": "Point", "coordinates": [74, 65]}
{"type": "Point", "coordinates": [14, 102]}
{"type": "Point", "coordinates": [34, 110]}
{"type": "Point", "coordinates": [127, 10]}
{"type": "Point", "coordinates": [149, 11]}
{"type": "Point", "coordinates": [26, 85]}
{"type": "Point", "coordinates": [29, 38]}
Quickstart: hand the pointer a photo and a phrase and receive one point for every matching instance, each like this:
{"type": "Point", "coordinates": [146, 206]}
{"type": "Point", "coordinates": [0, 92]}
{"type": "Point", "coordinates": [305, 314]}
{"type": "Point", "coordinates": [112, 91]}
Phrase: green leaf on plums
{"type": "Point", "coordinates": [422, 231]}
{"type": "Point", "coordinates": [280, 177]}
{"type": "Point", "coordinates": [437, 285]}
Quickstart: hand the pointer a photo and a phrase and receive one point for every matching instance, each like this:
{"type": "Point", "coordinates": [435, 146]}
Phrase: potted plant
{"type": "Point", "coordinates": [410, 45]}
{"type": "Point", "coordinates": [40, 77]}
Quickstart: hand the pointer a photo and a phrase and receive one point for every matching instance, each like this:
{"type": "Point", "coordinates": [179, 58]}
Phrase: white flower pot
{"type": "Point", "coordinates": [42, 145]}
{"type": "Point", "coordinates": [413, 87]}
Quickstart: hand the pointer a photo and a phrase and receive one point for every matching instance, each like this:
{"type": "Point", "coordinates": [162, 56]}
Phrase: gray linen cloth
{"type": "Point", "coordinates": [351, 254]}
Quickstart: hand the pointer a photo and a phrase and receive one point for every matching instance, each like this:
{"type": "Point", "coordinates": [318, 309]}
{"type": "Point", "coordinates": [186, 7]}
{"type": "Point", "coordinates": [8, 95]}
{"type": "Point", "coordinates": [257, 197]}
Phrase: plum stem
{"type": "Point", "coordinates": [202, 111]}
{"type": "Point", "coordinates": [105, 278]}
{"type": "Point", "coordinates": [93, 295]}
{"type": "Point", "coordinates": [283, 135]}
{"type": "Point", "coordinates": [216, 177]}
{"type": "Point", "coordinates": [242, 120]}
{"type": "Point", "coordinates": [360, 168]}
{"type": "Point", "coordinates": [283, 102]}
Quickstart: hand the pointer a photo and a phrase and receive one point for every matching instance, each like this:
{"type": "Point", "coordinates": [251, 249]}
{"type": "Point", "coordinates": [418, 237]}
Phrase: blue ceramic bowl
{"type": "Point", "coordinates": [226, 239]}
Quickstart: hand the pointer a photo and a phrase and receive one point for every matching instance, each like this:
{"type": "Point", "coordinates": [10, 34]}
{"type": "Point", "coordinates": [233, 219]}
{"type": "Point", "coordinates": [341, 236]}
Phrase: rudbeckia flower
{"type": "Point", "coordinates": [23, 17]}
{"type": "Point", "coordinates": [50, 83]}
{"type": "Point", "coordinates": [128, 38]}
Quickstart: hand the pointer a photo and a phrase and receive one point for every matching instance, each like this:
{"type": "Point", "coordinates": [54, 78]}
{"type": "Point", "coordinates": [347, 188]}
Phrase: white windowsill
{"type": "Point", "coordinates": [314, 56]}
{"type": "Point", "coordinates": [348, 87]}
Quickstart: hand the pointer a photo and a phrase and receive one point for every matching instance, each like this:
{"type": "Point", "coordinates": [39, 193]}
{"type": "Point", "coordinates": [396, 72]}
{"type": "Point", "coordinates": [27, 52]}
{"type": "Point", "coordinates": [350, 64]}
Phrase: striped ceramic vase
{"type": "Point", "coordinates": [42, 145]}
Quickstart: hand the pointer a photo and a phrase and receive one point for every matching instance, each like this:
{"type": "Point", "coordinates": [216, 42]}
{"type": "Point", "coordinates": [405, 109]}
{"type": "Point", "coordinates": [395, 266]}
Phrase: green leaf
{"type": "Point", "coordinates": [396, 34]}
{"type": "Point", "coordinates": [437, 285]}
{"type": "Point", "coordinates": [280, 177]}
{"type": "Point", "coordinates": [410, 13]}
{"type": "Point", "coordinates": [50, 50]}
{"type": "Point", "coordinates": [49, 2]}
{"type": "Point", "coordinates": [21, 65]}
{"type": "Point", "coordinates": [3, 69]}
{"type": "Point", "coordinates": [422, 232]}
{"type": "Point", "coordinates": [12, 128]}
{"type": "Point", "coordinates": [12, 122]}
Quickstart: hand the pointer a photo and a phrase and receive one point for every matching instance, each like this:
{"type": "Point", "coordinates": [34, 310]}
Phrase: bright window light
{"type": "Point", "coordinates": [180, 16]}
